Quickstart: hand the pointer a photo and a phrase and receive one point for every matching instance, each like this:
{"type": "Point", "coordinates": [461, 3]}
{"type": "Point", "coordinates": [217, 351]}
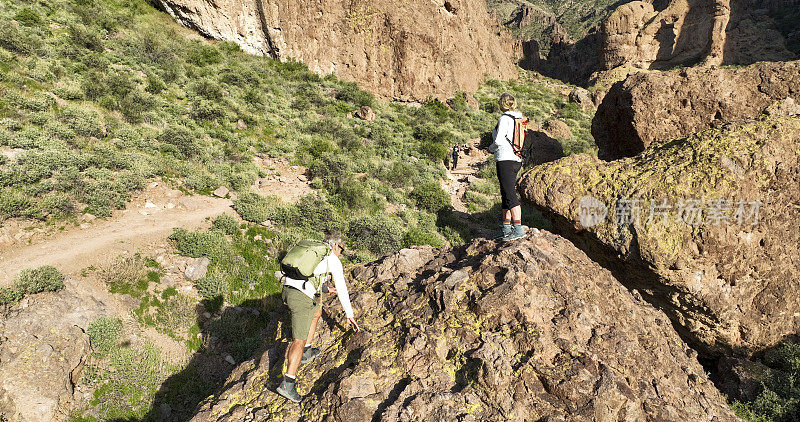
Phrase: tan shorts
{"type": "Point", "coordinates": [303, 309]}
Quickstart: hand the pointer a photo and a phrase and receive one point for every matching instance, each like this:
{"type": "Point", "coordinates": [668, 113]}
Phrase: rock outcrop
{"type": "Point", "coordinates": [531, 330]}
{"type": "Point", "coordinates": [43, 347]}
{"type": "Point", "coordinates": [407, 50]}
{"type": "Point", "coordinates": [656, 106]}
{"type": "Point", "coordinates": [660, 34]}
{"type": "Point", "coordinates": [705, 227]}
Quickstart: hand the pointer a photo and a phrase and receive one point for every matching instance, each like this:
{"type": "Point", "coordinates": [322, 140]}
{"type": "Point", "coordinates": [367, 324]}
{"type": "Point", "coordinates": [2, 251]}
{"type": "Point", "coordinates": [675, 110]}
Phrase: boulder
{"type": "Point", "coordinates": [365, 113]}
{"type": "Point", "coordinates": [221, 192]}
{"type": "Point", "coordinates": [43, 348]}
{"type": "Point", "coordinates": [409, 50]}
{"type": "Point", "coordinates": [582, 98]}
{"type": "Point", "coordinates": [528, 330]}
{"type": "Point", "coordinates": [706, 227]}
{"type": "Point", "coordinates": [558, 129]}
{"type": "Point", "coordinates": [655, 106]}
{"type": "Point", "coordinates": [197, 269]}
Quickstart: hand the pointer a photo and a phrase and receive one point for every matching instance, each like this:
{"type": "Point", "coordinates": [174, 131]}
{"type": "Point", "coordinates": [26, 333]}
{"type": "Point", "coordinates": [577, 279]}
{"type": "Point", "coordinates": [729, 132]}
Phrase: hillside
{"type": "Point", "coordinates": [117, 124]}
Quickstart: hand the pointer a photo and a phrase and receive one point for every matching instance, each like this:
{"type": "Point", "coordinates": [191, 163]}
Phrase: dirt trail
{"type": "Point", "coordinates": [148, 220]}
{"type": "Point", "coordinates": [458, 180]}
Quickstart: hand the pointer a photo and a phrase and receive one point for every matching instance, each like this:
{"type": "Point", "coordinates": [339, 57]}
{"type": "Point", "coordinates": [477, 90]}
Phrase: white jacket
{"type": "Point", "coordinates": [503, 136]}
{"type": "Point", "coordinates": [329, 265]}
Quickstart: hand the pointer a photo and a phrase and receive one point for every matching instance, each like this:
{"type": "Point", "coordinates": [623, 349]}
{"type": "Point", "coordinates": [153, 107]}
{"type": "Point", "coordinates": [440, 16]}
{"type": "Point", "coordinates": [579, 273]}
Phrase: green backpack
{"type": "Point", "coordinates": [301, 260]}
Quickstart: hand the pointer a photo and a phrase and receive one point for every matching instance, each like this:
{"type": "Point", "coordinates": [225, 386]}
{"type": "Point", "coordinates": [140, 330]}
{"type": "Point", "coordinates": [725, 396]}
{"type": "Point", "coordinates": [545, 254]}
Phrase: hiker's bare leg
{"type": "Point", "coordinates": [313, 328]}
{"type": "Point", "coordinates": [507, 215]}
{"type": "Point", "coordinates": [516, 213]}
{"type": "Point", "coordinates": [294, 356]}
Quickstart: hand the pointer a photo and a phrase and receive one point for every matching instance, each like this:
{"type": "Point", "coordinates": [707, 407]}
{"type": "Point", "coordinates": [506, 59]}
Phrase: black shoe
{"type": "Point", "coordinates": [309, 354]}
{"type": "Point", "coordinates": [289, 390]}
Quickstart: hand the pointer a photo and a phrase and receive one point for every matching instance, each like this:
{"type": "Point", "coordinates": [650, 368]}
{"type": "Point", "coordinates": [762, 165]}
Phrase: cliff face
{"type": "Point", "coordinates": [531, 330]}
{"type": "Point", "coordinates": [408, 50]}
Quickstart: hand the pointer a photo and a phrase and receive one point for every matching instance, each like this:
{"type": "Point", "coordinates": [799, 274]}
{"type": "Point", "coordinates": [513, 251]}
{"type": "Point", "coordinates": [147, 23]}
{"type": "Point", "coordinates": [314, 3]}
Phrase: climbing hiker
{"type": "Point", "coordinates": [307, 269]}
{"type": "Point", "coordinates": [456, 151]}
{"type": "Point", "coordinates": [508, 138]}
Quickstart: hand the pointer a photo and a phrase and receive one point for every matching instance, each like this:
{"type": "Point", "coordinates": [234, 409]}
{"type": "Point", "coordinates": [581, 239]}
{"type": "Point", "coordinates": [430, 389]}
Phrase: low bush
{"type": "Point", "coordinates": [182, 138]}
{"type": "Point", "coordinates": [197, 244]}
{"type": "Point", "coordinates": [42, 279]}
{"type": "Point", "coordinates": [252, 207]}
{"type": "Point", "coordinates": [779, 400]}
{"type": "Point", "coordinates": [430, 196]}
{"type": "Point", "coordinates": [226, 224]}
{"type": "Point", "coordinates": [104, 334]}
{"type": "Point", "coordinates": [378, 234]}
{"type": "Point", "coordinates": [417, 237]}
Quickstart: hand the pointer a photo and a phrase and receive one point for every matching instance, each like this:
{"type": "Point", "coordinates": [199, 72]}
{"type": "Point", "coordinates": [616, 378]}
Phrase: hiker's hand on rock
{"type": "Point", "coordinates": [351, 322]}
{"type": "Point", "coordinates": [331, 289]}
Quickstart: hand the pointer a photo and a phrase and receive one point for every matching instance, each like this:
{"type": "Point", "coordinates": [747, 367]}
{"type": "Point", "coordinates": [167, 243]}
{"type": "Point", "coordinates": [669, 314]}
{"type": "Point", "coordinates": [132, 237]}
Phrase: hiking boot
{"type": "Point", "coordinates": [289, 390]}
{"type": "Point", "coordinates": [309, 354]}
{"type": "Point", "coordinates": [518, 232]}
{"type": "Point", "coordinates": [506, 231]}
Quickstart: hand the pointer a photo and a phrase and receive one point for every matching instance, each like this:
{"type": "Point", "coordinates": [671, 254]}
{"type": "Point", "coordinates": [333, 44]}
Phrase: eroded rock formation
{"type": "Point", "coordinates": [408, 50]}
{"type": "Point", "coordinates": [705, 227]}
{"type": "Point", "coordinates": [656, 106]}
{"type": "Point", "coordinates": [43, 347]}
{"type": "Point", "coordinates": [531, 330]}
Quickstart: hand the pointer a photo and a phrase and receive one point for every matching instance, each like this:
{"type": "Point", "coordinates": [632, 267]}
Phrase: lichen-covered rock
{"type": "Point", "coordinates": [530, 330]}
{"type": "Point", "coordinates": [722, 268]}
{"type": "Point", "coordinates": [43, 347]}
{"type": "Point", "coordinates": [656, 106]}
{"type": "Point", "coordinates": [409, 50]}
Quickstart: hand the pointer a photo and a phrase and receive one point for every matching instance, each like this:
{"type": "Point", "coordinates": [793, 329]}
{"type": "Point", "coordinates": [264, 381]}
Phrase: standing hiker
{"type": "Point", "coordinates": [508, 138]}
{"type": "Point", "coordinates": [307, 268]}
{"type": "Point", "coordinates": [456, 150]}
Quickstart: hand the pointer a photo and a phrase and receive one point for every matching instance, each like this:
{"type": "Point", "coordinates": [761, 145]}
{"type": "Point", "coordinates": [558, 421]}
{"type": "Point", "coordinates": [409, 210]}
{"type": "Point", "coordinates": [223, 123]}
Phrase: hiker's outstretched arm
{"type": "Point", "coordinates": [341, 287]}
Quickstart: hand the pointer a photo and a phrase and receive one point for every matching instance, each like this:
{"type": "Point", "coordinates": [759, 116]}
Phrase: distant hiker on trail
{"type": "Point", "coordinates": [456, 151]}
{"type": "Point", "coordinates": [509, 137]}
{"type": "Point", "coordinates": [307, 268]}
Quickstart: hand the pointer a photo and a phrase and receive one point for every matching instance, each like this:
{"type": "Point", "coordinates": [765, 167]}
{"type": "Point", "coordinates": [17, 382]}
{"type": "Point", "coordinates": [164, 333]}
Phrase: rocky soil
{"type": "Point", "coordinates": [532, 330]}
{"type": "Point", "coordinates": [657, 106]}
{"type": "Point", "coordinates": [681, 227]}
{"type": "Point", "coordinates": [407, 50]}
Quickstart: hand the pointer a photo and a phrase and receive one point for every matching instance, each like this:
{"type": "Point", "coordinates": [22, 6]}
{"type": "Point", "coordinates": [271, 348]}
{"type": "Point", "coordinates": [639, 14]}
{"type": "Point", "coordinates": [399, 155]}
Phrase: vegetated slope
{"type": "Point", "coordinates": [101, 95]}
{"type": "Point", "coordinates": [530, 330]}
{"type": "Point", "coordinates": [409, 50]}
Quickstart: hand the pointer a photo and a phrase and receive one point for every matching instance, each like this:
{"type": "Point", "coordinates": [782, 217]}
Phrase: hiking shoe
{"type": "Point", "coordinates": [309, 354]}
{"type": "Point", "coordinates": [289, 390]}
{"type": "Point", "coordinates": [506, 230]}
{"type": "Point", "coordinates": [518, 232]}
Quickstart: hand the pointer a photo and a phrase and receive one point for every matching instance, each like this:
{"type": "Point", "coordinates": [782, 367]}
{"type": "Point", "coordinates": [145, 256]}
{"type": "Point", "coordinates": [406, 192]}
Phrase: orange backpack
{"type": "Point", "coordinates": [520, 126]}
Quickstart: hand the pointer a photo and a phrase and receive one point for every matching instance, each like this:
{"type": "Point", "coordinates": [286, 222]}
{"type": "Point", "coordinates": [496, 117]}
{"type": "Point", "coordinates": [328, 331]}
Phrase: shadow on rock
{"type": "Point", "coordinates": [229, 336]}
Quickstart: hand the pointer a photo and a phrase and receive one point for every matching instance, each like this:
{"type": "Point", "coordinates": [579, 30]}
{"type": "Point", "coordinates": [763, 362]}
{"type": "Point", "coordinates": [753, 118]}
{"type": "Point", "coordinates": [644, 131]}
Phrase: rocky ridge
{"type": "Point", "coordinates": [409, 50]}
{"type": "Point", "coordinates": [705, 227]}
{"type": "Point", "coordinates": [656, 106]}
{"type": "Point", "coordinates": [531, 330]}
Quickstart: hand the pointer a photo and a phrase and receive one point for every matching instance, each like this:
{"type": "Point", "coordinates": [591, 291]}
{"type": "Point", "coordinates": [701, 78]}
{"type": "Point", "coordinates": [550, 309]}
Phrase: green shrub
{"type": "Point", "coordinates": [28, 17]}
{"type": "Point", "coordinates": [252, 207]}
{"type": "Point", "coordinates": [350, 92]}
{"type": "Point", "coordinates": [197, 244]}
{"type": "Point", "coordinates": [13, 203]}
{"type": "Point", "coordinates": [42, 279]}
{"type": "Point", "coordinates": [201, 54]}
{"type": "Point", "coordinates": [18, 40]}
{"type": "Point", "coordinates": [378, 234]}
{"type": "Point", "coordinates": [182, 139]}
{"type": "Point", "coordinates": [104, 334]}
{"type": "Point", "coordinates": [83, 122]}
{"type": "Point", "coordinates": [9, 296]}
{"type": "Point", "coordinates": [417, 237]}
{"type": "Point", "coordinates": [430, 196]}
{"type": "Point", "coordinates": [226, 224]}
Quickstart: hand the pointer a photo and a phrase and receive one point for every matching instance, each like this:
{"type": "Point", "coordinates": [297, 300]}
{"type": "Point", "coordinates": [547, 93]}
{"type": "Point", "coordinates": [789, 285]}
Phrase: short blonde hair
{"type": "Point", "coordinates": [507, 102]}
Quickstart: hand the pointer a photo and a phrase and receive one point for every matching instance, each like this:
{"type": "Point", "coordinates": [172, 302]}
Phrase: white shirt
{"type": "Point", "coordinates": [329, 265]}
{"type": "Point", "coordinates": [503, 137]}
